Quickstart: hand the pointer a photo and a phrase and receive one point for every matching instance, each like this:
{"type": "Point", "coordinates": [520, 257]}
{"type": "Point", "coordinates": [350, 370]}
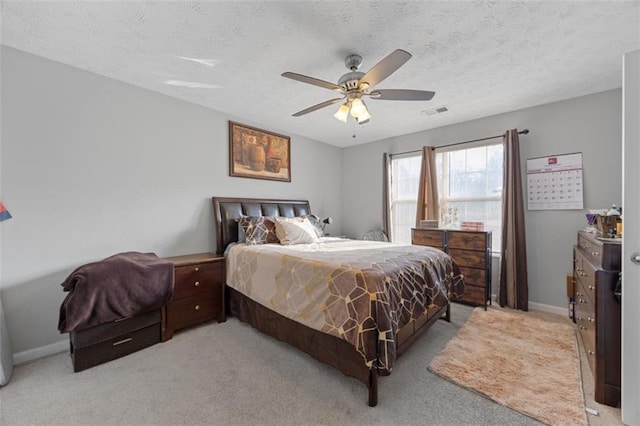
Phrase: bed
{"type": "Point", "coordinates": [355, 305]}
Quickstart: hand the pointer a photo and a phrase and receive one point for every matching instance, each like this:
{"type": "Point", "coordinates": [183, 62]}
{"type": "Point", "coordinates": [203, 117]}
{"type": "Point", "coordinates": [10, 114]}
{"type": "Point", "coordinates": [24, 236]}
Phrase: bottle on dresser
{"type": "Point", "coordinates": [616, 232]}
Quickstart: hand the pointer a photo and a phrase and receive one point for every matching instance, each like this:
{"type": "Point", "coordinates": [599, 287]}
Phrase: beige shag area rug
{"type": "Point", "coordinates": [527, 364]}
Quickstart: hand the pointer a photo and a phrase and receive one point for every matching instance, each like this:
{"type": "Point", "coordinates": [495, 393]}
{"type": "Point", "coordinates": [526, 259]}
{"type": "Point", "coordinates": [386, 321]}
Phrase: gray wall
{"type": "Point", "coordinates": [589, 124]}
{"type": "Point", "coordinates": [92, 166]}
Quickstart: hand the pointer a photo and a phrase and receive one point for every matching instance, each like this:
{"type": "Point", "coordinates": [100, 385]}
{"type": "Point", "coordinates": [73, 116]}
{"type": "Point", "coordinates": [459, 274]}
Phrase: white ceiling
{"type": "Point", "coordinates": [481, 58]}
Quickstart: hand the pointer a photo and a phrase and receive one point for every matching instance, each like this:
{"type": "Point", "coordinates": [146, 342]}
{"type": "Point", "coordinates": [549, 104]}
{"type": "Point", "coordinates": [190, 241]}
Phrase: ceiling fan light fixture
{"type": "Point", "coordinates": [343, 112]}
{"type": "Point", "coordinates": [359, 110]}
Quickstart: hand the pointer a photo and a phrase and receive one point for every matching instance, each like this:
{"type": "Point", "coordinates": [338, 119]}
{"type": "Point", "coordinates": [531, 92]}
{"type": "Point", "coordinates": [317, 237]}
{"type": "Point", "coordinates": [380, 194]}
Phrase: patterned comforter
{"type": "Point", "coordinates": [360, 291]}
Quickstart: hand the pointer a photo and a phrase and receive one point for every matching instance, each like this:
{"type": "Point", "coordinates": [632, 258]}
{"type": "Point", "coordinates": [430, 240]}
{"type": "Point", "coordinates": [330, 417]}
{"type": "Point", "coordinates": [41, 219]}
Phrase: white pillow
{"type": "Point", "coordinates": [295, 230]}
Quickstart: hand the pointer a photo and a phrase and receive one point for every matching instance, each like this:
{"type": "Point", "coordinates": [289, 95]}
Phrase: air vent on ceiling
{"type": "Point", "coordinates": [436, 111]}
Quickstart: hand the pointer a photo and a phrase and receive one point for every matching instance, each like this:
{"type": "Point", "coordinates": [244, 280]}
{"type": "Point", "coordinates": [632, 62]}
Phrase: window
{"type": "Point", "coordinates": [405, 175]}
{"type": "Point", "coordinates": [469, 184]}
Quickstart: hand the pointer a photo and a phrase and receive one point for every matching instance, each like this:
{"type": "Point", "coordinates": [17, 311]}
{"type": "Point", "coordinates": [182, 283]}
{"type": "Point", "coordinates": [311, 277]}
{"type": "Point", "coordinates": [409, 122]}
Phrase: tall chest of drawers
{"type": "Point", "coordinates": [198, 292]}
{"type": "Point", "coordinates": [471, 250]}
{"type": "Point", "coordinates": [596, 267]}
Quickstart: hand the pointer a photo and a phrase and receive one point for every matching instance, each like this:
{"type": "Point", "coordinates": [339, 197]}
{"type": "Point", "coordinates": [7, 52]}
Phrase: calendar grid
{"type": "Point", "coordinates": [555, 182]}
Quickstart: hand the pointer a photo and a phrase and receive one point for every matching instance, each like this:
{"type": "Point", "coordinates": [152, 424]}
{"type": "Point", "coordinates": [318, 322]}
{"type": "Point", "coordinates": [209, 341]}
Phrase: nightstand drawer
{"type": "Point", "coordinates": [197, 279]}
{"type": "Point", "coordinates": [193, 310]}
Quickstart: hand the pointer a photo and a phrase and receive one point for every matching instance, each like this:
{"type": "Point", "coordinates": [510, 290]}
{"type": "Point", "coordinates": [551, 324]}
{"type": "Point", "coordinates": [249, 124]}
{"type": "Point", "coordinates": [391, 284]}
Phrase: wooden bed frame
{"type": "Point", "coordinates": [323, 347]}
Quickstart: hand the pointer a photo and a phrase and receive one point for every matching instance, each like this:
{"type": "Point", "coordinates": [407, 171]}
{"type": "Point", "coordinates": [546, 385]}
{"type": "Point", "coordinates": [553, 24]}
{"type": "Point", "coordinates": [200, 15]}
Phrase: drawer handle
{"type": "Point", "coordinates": [591, 287]}
{"type": "Point", "coordinates": [582, 327]}
{"type": "Point", "coordinates": [196, 269]}
{"type": "Point", "coordinates": [590, 352]}
{"type": "Point", "coordinates": [583, 301]}
{"type": "Point", "coordinates": [197, 283]}
{"type": "Point", "coordinates": [197, 307]}
{"type": "Point", "coordinates": [578, 293]}
{"type": "Point", "coordinates": [594, 253]}
{"type": "Point", "coordinates": [590, 319]}
{"type": "Point", "coordinates": [120, 342]}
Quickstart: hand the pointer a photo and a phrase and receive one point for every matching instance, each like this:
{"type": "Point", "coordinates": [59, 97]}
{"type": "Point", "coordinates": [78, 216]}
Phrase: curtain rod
{"type": "Point", "coordinates": [522, 132]}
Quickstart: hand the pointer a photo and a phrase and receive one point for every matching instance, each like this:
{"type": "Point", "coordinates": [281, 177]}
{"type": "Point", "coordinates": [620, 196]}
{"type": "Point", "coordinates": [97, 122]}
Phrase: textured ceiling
{"type": "Point", "coordinates": [481, 58]}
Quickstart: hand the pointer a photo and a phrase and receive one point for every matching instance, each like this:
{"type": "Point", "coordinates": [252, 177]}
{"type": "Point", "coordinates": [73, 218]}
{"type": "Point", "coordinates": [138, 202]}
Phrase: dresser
{"type": "Point", "coordinates": [471, 250]}
{"type": "Point", "coordinates": [198, 292]}
{"type": "Point", "coordinates": [596, 267]}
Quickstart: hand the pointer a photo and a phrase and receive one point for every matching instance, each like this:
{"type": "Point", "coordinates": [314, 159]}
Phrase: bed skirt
{"type": "Point", "coordinates": [323, 347]}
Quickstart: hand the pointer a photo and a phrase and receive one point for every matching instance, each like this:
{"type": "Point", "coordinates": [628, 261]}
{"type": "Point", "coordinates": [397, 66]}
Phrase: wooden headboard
{"type": "Point", "coordinates": [227, 211]}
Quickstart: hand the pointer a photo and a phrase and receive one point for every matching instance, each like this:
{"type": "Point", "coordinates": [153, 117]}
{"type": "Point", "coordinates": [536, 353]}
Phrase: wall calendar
{"type": "Point", "coordinates": [555, 182]}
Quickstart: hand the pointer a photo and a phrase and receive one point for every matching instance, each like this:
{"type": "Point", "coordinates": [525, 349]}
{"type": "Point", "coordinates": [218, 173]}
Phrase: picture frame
{"type": "Point", "coordinates": [258, 154]}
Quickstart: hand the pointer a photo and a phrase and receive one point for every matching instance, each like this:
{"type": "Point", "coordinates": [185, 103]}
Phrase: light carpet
{"type": "Point", "coordinates": [525, 363]}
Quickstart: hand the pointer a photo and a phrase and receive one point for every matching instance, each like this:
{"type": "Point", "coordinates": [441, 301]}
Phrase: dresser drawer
{"type": "Point", "coordinates": [605, 256]}
{"type": "Point", "coordinates": [467, 240]}
{"type": "Point", "coordinates": [584, 291]}
{"type": "Point", "coordinates": [585, 273]}
{"type": "Point", "coordinates": [591, 249]}
{"type": "Point", "coordinates": [428, 237]}
{"type": "Point", "coordinates": [586, 322]}
{"type": "Point", "coordinates": [469, 258]}
{"type": "Point", "coordinates": [197, 279]}
{"type": "Point", "coordinates": [193, 310]}
{"type": "Point", "coordinates": [474, 294]}
{"type": "Point", "coordinates": [107, 342]}
{"type": "Point", "coordinates": [472, 276]}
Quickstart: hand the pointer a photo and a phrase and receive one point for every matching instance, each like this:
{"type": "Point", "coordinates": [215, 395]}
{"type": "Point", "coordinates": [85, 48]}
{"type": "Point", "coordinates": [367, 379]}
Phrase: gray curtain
{"type": "Point", "coordinates": [514, 289]}
{"type": "Point", "coordinates": [428, 207]}
{"type": "Point", "coordinates": [386, 221]}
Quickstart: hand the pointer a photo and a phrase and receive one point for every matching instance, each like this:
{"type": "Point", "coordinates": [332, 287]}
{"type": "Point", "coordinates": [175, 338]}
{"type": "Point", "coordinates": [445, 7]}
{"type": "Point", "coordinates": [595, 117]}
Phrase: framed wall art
{"type": "Point", "coordinates": [258, 154]}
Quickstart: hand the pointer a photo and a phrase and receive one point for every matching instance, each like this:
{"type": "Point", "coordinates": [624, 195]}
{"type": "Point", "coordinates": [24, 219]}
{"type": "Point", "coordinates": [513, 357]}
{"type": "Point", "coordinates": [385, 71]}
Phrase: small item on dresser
{"type": "Point", "coordinates": [472, 225]}
{"type": "Point", "coordinates": [606, 225]}
{"type": "Point", "coordinates": [428, 224]}
{"type": "Point", "coordinates": [619, 227]}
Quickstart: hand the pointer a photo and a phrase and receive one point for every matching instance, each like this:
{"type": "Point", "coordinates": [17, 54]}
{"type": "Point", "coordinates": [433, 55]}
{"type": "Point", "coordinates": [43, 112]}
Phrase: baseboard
{"type": "Point", "coordinates": [549, 308]}
{"type": "Point", "coordinates": [542, 307]}
{"type": "Point", "coordinates": [31, 354]}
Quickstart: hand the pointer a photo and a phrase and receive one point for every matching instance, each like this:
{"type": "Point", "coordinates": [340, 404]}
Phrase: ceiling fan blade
{"type": "Point", "coordinates": [385, 67]}
{"type": "Point", "coordinates": [401, 95]}
{"type": "Point", "coordinates": [314, 81]}
{"type": "Point", "coordinates": [317, 107]}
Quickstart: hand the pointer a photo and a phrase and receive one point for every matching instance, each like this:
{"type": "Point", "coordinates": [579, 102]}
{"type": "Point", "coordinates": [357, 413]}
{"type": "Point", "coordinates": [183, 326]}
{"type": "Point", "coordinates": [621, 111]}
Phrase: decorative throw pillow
{"type": "Point", "coordinates": [295, 230]}
{"type": "Point", "coordinates": [258, 229]}
{"type": "Point", "coordinates": [317, 224]}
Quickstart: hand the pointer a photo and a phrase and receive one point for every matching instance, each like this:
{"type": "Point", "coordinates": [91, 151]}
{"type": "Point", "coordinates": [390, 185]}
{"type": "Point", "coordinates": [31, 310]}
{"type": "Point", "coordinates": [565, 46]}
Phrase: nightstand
{"type": "Point", "coordinates": [198, 292]}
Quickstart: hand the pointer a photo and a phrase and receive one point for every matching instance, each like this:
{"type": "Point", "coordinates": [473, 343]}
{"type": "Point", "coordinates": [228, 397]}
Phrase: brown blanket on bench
{"type": "Point", "coordinates": [117, 287]}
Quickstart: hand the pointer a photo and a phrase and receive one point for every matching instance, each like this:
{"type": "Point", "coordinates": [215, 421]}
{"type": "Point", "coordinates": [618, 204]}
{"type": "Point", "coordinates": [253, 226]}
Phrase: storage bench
{"type": "Point", "coordinates": [106, 342]}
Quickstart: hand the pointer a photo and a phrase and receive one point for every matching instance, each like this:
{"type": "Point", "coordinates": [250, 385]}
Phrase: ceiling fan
{"type": "Point", "coordinates": [355, 85]}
